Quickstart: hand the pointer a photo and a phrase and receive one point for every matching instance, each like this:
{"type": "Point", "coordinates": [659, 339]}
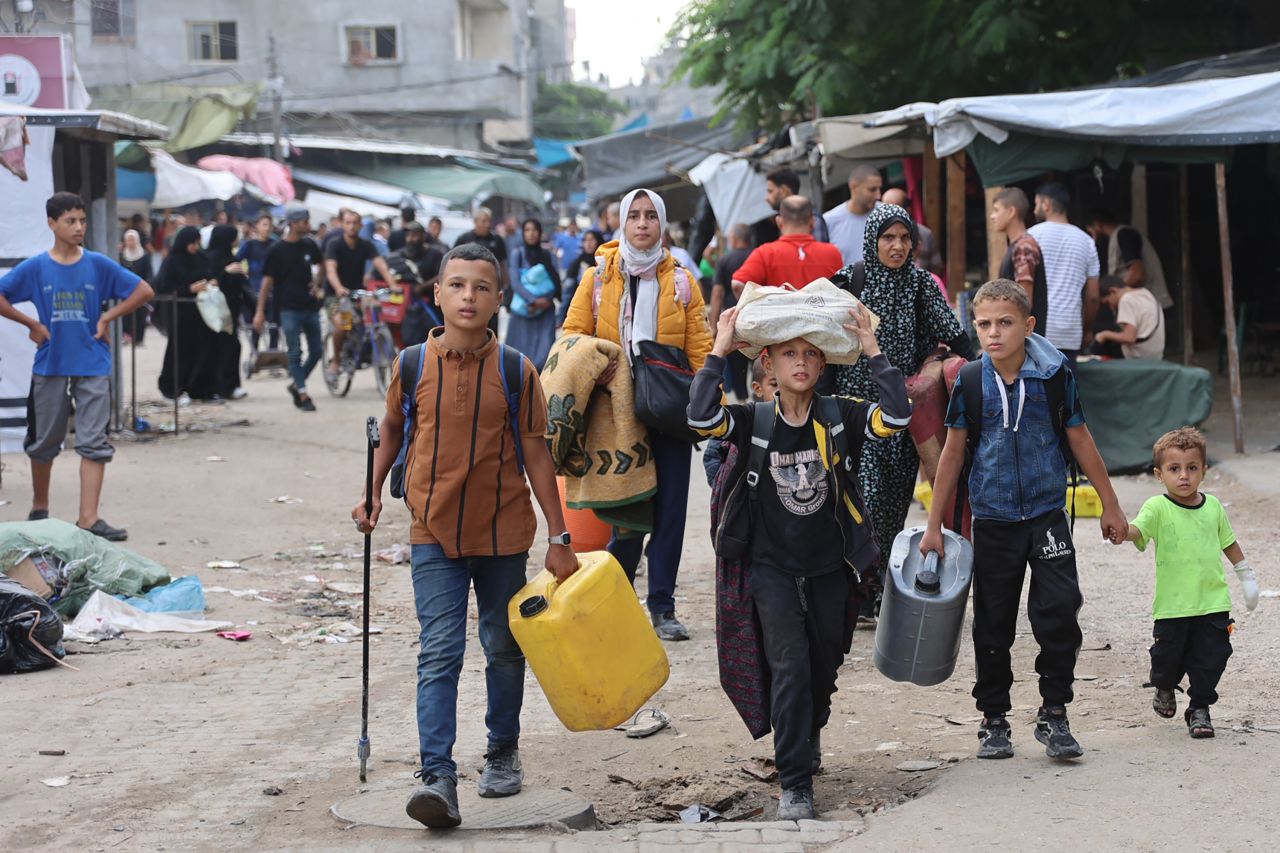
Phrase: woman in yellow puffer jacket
{"type": "Point", "coordinates": [646, 296]}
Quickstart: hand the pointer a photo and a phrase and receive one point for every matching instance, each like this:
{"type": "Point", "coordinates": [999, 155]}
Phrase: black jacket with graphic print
{"type": "Point", "coordinates": [861, 421]}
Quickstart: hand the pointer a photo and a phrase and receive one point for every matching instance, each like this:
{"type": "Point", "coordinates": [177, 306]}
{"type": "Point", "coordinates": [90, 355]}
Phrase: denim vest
{"type": "Point", "coordinates": [1017, 473]}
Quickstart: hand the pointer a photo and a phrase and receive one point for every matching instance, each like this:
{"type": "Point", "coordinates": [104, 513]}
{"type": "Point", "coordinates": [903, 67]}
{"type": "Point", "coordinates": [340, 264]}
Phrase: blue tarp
{"type": "Point", "coordinates": [131, 184]}
{"type": "Point", "coordinates": [552, 152]}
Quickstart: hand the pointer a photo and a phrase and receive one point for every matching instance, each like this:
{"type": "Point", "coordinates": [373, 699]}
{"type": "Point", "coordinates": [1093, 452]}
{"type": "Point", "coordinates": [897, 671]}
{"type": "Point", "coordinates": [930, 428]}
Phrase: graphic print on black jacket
{"type": "Point", "coordinates": [840, 426]}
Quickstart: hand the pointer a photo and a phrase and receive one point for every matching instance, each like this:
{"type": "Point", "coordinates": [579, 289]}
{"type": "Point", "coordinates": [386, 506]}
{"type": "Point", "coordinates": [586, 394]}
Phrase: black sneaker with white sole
{"type": "Point", "coordinates": [994, 738]}
{"type": "Point", "coordinates": [1053, 730]}
{"type": "Point", "coordinates": [435, 804]}
{"type": "Point", "coordinates": [796, 803]}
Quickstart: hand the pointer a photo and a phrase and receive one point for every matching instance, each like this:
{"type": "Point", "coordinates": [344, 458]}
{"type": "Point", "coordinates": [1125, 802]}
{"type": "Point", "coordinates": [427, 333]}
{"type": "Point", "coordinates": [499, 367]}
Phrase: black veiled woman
{"type": "Point", "coordinates": [184, 273]}
{"type": "Point", "coordinates": [221, 254]}
{"type": "Point", "coordinates": [914, 319]}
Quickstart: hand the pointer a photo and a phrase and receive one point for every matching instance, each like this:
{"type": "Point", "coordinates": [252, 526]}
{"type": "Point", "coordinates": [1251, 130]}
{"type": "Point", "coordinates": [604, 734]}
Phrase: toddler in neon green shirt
{"type": "Point", "coordinates": [1192, 604]}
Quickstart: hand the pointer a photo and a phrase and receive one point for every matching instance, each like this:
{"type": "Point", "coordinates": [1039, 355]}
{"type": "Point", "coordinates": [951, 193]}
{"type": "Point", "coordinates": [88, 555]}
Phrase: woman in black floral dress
{"type": "Point", "coordinates": [914, 319]}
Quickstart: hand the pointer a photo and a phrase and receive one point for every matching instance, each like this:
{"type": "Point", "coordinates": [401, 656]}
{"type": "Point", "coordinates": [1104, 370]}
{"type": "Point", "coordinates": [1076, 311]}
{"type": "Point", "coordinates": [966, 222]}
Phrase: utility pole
{"type": "Point", "coordinates": [276, 85]}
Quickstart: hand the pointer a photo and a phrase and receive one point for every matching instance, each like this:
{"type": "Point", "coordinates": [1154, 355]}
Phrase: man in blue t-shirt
{"type": "Point", "coordinates": [69, 285]}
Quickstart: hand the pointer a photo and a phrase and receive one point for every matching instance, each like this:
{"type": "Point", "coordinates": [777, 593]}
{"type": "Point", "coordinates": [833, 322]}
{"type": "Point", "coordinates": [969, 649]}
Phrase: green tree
{"type": "Point", "coordinates": [573, 111]}
{"type": "Point", "coordinates": [786, 59]}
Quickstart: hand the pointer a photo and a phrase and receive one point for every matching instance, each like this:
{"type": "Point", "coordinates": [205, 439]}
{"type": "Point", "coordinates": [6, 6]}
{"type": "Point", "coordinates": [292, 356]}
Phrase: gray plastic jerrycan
{"type": "Point", "coordinates": [922, 612]}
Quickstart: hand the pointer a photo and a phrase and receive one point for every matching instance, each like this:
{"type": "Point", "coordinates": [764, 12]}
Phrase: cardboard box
{"type": "Point", "coordinates": [37, 573]}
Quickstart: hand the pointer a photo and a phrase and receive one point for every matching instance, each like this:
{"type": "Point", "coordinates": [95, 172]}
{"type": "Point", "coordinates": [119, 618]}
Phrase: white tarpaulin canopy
{"type": "Point", "coordinates": [733, 187]}
{"type": "Point", "coordinates": [178, 184]}
{"type": "Point", "coordinates": [1223, 111]}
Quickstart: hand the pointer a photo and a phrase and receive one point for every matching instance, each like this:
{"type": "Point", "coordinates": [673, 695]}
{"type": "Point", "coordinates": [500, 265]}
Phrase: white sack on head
{"type": "Point", "coordinates": [772, 315]}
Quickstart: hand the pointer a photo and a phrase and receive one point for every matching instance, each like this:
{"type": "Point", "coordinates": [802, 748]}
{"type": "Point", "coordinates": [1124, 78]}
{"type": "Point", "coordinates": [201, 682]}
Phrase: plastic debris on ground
{"type": "Point", "coordinates": [90, 562]}
{"type": "Point", "coordinates": [184, 596]}
{"type": "Point", "coordinates": [238, 636]}
{"type": "Point", "coordinates": [338, 632]}
{"type": "Point", "coordinates": [104, 617]}
{"type": "Point", "coordinates": [698, 813]}
{"type": "Point", "coordinates": [223, 564]}
{"type": "Point", "coordinates": [30, 632]}
{"type": "Point", "coordinates": [244, 593]}
{"type": "Point", "coordinates": [395, 554]}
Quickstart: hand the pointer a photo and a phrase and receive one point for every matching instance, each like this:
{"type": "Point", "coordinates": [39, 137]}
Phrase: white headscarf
{"type": "Point", "coordinates": [635, 261]}
{"type": "Point", "coordinates": [133, 252]}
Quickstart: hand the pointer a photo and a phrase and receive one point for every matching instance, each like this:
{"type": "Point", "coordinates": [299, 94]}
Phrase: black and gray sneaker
{"type": "Point", "coordinates": [994, 738]}
{"type": "Point", "coordinates": [435, 804]}
{"type": "Point", "coordinates": [815, 749]}
{"type": "Point", "coordinates": [502, 775]}
{"type": "Point", "coordinates": [668, 627]}
{"type": "Point", "coordinates": [1053, 730]}
{"type": "Point", "coordinates": [796, 803]}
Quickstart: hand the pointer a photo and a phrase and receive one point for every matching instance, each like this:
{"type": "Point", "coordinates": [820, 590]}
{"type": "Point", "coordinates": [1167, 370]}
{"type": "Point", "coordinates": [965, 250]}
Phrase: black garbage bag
{"type": "Point", "coordinates": [30, 632]}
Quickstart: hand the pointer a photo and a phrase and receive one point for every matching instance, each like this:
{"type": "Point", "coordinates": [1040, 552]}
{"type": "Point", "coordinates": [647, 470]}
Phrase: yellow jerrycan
{"type": "Point", "coordinates": [589, 643]}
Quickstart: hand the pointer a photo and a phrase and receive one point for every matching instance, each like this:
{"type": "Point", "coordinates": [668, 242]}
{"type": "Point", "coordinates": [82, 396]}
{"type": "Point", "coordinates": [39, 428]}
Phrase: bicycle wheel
{"type": "Point", "coordinates": [338, 383]}
{"type": "Point", "coordinates": [383, 356]}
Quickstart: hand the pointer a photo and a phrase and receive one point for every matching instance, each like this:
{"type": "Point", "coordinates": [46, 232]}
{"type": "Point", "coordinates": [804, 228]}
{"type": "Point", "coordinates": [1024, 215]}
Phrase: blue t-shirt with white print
{"type": "Point", "coordinates": [68, 300]}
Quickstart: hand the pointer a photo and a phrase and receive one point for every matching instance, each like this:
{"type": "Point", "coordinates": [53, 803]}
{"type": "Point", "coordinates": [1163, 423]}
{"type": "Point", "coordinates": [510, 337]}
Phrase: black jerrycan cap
{"type": "Point", "coordinates": [532, 606]}
{"type": "Point", "coordinates": [926, 581]}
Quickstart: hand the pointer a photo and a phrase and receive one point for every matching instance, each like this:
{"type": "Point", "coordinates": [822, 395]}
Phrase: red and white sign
{"type": "Point", "coordinates": [33, 71]}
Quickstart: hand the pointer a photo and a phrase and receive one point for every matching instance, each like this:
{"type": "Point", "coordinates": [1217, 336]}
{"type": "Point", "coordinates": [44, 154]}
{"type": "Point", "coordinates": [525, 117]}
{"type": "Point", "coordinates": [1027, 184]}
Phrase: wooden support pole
{"type": "Point", "coordinates": [1229, 305]}
{"type": "Point", "coordinates": [956, 261]}
{"type": "Point", "coordinates": [1184, 244]}
{"type": "Point", "coordinates": [996, 242]}
{"type": "Point", "coordinates": [1138, 198]}
{"type": "Point", "coordinates": [931, 177]}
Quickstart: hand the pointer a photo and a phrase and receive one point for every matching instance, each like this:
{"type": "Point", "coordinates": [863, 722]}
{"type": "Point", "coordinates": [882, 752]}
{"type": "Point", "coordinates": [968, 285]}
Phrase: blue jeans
{"type": "Point", "coordinates": [440, 587]}
{"type": "Point", "coordinates": [672, 458]}
{"type": "Point", "coordinates": [295, 324]}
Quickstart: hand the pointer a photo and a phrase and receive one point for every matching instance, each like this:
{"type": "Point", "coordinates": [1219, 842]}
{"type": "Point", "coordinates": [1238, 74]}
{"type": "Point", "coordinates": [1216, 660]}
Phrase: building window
{"type": "Point", "coordinates": [213, 41]}
{"type": "Point", "coordinates": [372, 45]}
{"type": "Point", "coordinates": [113, 19]}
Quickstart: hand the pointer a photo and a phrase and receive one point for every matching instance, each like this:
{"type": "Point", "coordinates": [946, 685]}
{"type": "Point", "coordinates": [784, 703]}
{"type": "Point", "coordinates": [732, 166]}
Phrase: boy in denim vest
{"type": "Point", "coordinates": [1016, 489]}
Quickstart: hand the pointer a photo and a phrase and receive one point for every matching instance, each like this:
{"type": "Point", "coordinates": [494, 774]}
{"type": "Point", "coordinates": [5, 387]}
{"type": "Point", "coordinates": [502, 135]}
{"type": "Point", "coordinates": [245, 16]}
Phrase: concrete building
{"type": "Point", "coordinates": [460, 73]}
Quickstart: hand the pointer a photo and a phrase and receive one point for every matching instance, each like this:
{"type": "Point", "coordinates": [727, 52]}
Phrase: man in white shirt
{"type": "Point", "coordinates": [1071, 269]}
{"type": "Point", "coordinates": [846, 222]}
{"type": "Point", "coordinates": [1141, 321]}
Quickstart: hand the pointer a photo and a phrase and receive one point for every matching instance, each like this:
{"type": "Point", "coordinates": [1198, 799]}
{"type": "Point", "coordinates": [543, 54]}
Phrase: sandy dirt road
{"type": "Point", "coordinates": [172, 740]}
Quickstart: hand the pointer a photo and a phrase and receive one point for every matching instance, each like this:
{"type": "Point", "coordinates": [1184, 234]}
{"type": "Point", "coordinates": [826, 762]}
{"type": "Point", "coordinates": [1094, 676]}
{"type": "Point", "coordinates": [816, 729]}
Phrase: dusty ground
{"type": "Point", "coordinates": [172, 741]}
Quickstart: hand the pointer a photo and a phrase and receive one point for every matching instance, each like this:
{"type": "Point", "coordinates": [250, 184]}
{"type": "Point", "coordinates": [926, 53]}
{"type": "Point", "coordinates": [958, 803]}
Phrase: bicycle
{"type": "Point", "coordinates": [368, 341]}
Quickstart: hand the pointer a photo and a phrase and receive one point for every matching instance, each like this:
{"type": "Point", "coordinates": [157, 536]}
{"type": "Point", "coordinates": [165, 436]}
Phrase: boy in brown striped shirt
{"type": "Point", "coordinates": [472, 522]}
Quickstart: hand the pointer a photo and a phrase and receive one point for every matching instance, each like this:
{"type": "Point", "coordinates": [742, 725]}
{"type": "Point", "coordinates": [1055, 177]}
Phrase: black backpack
{"type": "Point", "coordinates": [732, 536]}
{"type": "Point", "coordinates": [1055, 387]}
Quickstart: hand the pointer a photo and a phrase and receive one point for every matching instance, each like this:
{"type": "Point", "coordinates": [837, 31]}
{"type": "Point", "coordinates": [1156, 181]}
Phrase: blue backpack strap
{"type": "Point", "coordinates": [412, 361]}
{"type": "Point", "coordinates": [512, 364]}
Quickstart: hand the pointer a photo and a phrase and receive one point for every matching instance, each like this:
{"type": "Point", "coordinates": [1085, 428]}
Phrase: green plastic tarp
{"type": "Point", "coordinates": [1024, 156]}
{"type": "Point", "coordinates": [459, 184]}
{"type": "Point", "coordinates": [195, 115]}
{"type": "Point", "coordinates": [1129, 403]}
{"type": "Point", "coordinates": [91, 563]}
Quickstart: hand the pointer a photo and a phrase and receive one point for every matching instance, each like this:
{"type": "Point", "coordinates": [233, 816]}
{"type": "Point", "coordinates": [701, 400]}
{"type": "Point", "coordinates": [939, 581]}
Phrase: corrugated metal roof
{"type": "Point", "coordinates": [118, 124]}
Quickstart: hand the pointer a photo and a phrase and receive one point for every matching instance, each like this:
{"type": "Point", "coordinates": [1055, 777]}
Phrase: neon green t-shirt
{"type": "Point", "coordinates": [1190, 580]}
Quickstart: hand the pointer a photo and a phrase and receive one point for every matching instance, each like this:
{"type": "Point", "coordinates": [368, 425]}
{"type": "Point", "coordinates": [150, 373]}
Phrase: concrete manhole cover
{"type": "Point", "coordinates": [532, 807]}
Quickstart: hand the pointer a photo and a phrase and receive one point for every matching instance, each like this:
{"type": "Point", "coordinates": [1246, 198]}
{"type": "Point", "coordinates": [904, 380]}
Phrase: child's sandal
{"type": "Point", "coordinates": [1165, 703]}
{"type": "Point", "coordinates": [1198, 723]}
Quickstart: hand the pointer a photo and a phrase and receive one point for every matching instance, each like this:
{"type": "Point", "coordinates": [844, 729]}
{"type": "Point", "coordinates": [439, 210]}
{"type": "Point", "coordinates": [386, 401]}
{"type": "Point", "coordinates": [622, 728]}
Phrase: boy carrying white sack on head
{"type": "Point", "coordinates": [796, 521]}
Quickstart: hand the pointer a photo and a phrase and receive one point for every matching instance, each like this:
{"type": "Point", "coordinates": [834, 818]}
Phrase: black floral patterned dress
{"type": "Point", "coordinates": [914, 319]}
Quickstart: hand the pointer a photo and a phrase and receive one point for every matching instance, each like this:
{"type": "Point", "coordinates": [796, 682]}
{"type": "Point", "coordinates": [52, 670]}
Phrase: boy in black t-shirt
{"type": "Point", "coordinates": [810, 542]}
